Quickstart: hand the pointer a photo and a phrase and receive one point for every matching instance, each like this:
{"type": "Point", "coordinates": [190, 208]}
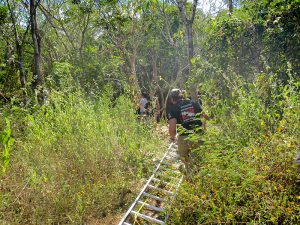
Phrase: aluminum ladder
{"type": "Point", "coordinates": [150, 205]}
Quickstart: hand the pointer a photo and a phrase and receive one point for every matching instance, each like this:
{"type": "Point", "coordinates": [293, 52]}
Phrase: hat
{"type": "Point", "coordinates": [175, 93]}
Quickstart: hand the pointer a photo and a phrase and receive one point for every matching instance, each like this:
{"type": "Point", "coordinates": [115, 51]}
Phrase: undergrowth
{"type": "Point", "coordinates": [244, 173]}
{"type": "Point", "coordinates": [75, 160]}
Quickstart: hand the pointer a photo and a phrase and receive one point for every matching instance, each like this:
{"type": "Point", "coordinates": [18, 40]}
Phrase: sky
{"type": "Point", "coordinates": [210, 5]}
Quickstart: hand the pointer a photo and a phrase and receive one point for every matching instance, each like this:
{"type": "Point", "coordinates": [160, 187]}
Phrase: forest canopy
{"type": "Point", "coordinates": [142, 45]}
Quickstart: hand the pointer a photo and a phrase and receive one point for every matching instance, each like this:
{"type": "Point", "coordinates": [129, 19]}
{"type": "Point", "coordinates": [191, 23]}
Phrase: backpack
{"type": "Point", "coordinates": [188, 111]}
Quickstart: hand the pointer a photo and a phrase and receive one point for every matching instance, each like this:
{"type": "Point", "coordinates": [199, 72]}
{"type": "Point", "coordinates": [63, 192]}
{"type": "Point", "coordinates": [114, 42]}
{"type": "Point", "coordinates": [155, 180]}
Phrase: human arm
{"type": "Point", "coordinates": [205, 116]}
{"type": "Point", "coordinates": [173, 119]}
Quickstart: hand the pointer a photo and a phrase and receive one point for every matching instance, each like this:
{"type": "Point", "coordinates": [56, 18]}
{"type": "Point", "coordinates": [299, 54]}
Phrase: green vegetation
{"type": "Point", "coordinates": [74, 160]}
{"type": "Point", "coordinates": [72, 148]}
{"type": "Point", "coordinates": [244, 172]}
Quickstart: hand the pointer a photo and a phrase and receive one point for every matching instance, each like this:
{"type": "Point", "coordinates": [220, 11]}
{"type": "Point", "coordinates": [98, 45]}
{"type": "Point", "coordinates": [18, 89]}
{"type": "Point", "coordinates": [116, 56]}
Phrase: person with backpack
{"type": "Point", "coordinates": [183, 117]}
{"type": "Point", "coordinates": [143, 104]}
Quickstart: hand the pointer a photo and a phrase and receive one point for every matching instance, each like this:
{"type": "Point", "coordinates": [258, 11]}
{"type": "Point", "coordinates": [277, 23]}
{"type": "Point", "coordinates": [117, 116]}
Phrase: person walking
{"type": "Point", "coordinates": [143, 104]}
{"type": "Point", "coordinates": [183, 117]}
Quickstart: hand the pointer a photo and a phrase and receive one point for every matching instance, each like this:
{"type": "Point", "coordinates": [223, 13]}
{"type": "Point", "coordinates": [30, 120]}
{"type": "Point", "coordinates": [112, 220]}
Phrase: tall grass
{"type": "Point", "coordinates": [245, 168]}
{"type": "Point", "coordinates": [74, 160]}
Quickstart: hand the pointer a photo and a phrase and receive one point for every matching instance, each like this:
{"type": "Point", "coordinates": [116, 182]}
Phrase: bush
{"type": "Point", "coordinates": [74, 160]}
{"type": "Point", "coordinates": [245, 168]}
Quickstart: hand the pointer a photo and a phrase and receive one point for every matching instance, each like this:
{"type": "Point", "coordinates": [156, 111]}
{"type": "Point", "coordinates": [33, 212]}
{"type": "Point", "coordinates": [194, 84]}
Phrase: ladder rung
{"type": "Point", "coordinates": [166, 163]}
{"type": "Point", "coordinates": [174, 166]}
{"type": "Point", "coordinates": [154, 197]}
{"type": "Point", "coordinates": [170, 158]}
{"type": "Point", "coordinates": [172, 154]}
{"type": "Point", "coordinates": [166, 176]}
{"type": "Point", "coordinates": [151, 206]}
{"type": "Point", "coordinates": [163, 182]}
{"type": "Point", "coordinates": [160, 189]}
{"type": "Point", "coordinates": [147, 218]}
{"type": "Point", "coordinates": [171, 170]}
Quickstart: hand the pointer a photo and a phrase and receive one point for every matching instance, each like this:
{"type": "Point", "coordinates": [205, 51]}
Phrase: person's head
{"type": "Point", "coordinates": [175, 95]}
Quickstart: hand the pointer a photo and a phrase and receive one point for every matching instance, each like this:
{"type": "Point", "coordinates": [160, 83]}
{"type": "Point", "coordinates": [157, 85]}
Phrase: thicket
{"type": "Point", "coordinates": [249, 74]}
{"type": "Point", "coordinates": [75, 156]}
{"type": "Point", "coordinates": [244, 172]}
{"type": "Point", "coordinates": [74, 160]}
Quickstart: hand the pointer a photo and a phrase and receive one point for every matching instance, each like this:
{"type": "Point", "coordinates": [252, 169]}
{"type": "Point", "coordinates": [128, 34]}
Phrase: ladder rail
{"type": "Point", "coordinates": [145, 217]}
{"type": "Point", "coordinates": [151, 207]}
{"type": "Point", "coordinates": [153, 197]}
{"type": "Point", "coordinates": [174, 196]}
{"type": "Point", "coordinates": [145, 187]}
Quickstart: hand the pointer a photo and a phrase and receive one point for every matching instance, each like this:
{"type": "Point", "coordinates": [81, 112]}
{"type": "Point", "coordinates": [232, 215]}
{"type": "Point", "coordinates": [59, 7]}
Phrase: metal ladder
{"type": "Point", "coordinates": [150, 205]}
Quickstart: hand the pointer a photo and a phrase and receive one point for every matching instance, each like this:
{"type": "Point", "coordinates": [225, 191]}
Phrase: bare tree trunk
{"type": "Point", "coordinates": [38, 78]}
{"type": "Point", "coordinates": [189, 38]}
{"type": "Point", "coordinates": [258, 51]}
{"type": "Point", "coordinates": [19, 48]}
{"type": "Point", "coordinates": [188, 23]}
{"type": "Point", "coordinates": [86, 22]}
{"type": "Point", "coordinates": [21, 69]}
{"type": "Point", "coordinates": [230, 6]}
{"type": "Point", "coordinates": [133, 80]}
{"type": "Point", "coordinates": [154, 69]}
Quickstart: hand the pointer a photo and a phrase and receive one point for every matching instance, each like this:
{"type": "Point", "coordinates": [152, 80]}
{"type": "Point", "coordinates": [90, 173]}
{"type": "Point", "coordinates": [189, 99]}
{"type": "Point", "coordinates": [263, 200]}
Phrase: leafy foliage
{"type": "Point", "coordinates": [244, 171]}
{"type": "Point", "coordinates": [83, 150]}
{"type": "Point", "coordinates": [75, 160]}
{"type": "Point", "coordinates": [7, 142]}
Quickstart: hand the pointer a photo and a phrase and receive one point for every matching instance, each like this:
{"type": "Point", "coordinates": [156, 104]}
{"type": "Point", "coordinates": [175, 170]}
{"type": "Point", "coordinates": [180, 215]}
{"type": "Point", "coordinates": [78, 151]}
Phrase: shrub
{"type": "Point", "coordinates": [245, 170]}
{"type": "Point", "coordinates": [75, 160]}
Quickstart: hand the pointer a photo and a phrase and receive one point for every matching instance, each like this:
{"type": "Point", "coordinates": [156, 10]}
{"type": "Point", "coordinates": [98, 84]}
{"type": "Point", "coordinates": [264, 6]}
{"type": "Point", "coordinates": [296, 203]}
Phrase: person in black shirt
{"type": "Point", "coordinates": [186, 114]}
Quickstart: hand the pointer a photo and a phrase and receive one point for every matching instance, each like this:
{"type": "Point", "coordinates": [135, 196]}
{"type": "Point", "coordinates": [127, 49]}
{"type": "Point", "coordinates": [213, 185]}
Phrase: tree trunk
{"type": "Point", "coordinates": [19, 49]}
{"type": "Point", "coordinates": [189, 38]}
{"type": "Point", "coordinates": [38, 78]}
{"type": "Point", "coordinates": [230, 6]}
{"type": "Point", "coordinates": [21, 69]}
{"type": "Point", "coordinates": [154, 70]}
{"type": "Point", "coordinates": [133, 80]}
{"type": "Point", "coordinates": [188, 23]}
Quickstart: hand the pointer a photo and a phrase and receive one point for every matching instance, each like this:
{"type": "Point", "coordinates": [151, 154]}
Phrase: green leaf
{"type": "Point", "coordinates": [193, 61]}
